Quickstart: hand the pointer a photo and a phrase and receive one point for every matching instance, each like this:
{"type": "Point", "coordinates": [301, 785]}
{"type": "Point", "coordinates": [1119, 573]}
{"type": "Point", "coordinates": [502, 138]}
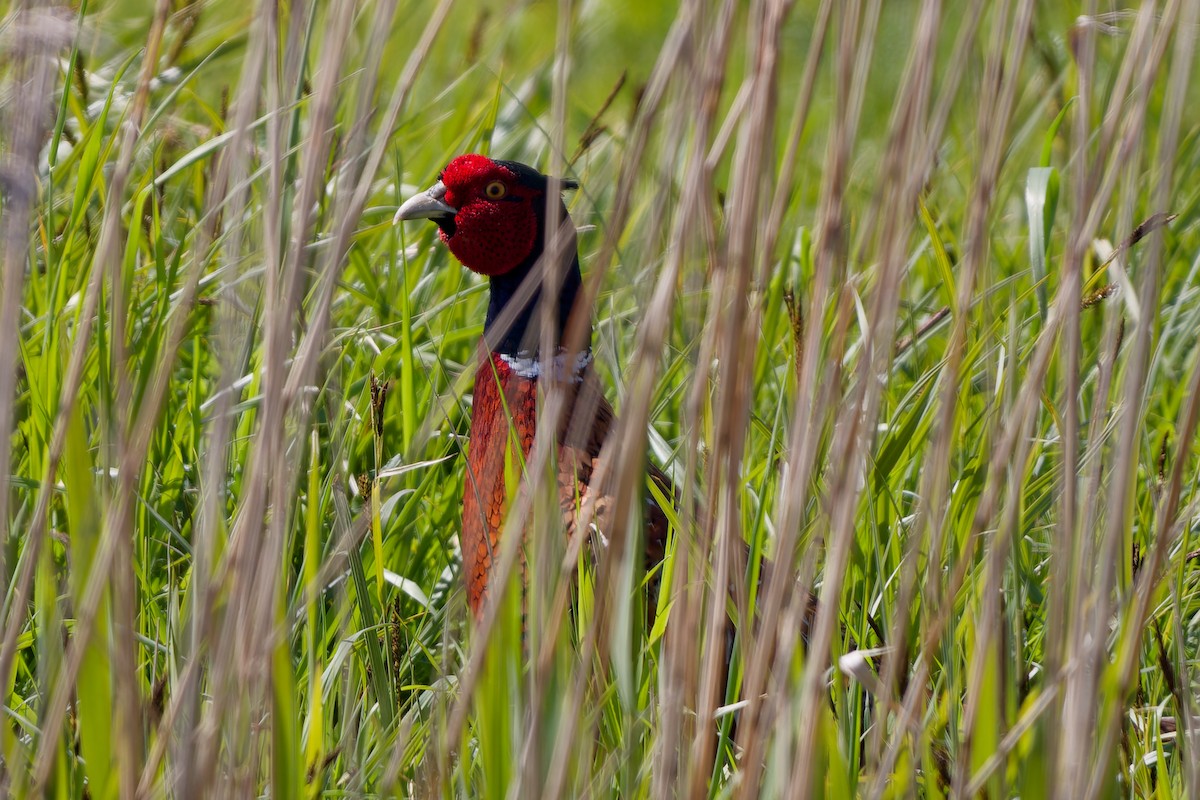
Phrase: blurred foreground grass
{"type": "Point", "coordinates": [904, 295]}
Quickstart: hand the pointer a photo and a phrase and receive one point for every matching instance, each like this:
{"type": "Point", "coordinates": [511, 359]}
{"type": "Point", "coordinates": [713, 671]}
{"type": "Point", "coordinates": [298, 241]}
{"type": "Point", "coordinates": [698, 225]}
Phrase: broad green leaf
{"type": "Point", "coordinates": [1041, 201]}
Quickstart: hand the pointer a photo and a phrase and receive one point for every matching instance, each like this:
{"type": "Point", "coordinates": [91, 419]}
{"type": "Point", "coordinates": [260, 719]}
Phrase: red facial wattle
{"type": "Point", "coordinates": [492, 235]}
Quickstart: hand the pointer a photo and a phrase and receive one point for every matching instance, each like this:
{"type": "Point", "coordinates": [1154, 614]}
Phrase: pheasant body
{"type": "Point", "coordinates": [499, 393]}
{"type": "Point", "coordinates": [491, 215]}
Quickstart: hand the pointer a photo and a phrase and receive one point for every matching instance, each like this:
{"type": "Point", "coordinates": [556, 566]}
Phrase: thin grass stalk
{"type": "Point", "coordinates": [1097, 183]}
{"type": "Point", "coordinates": [132, 460]}
{"type": "Point", "coordinates": [675, 686]}
{"type": "Point", "coordinates": [593, 655]}
{"type": "Point", "coordinates": [1079, 545]}
{"type": "Point", "coordinates": [358, 139]}
{"type": "Point", "coordinates": [727, 322]}
{"type": "Point", "coordinates": [707, 51]}
{"type": "Point", "coordinates": [1100, 428]}
{"type": "Point", "coordinates": [994, 128]}
{"type": "Point", "coordinates": [105, 254]}
{"type": "Point", "coordinates": [546, 522]}
{"type": "Point", "coordinates": [38, 35]}
{"type": "Point", "coordinates": [124, 647]}
{"type": "Point", "coordinates": [807, 421]}
{"type": "Point", "coordinates": [255, 600]}
{"type": "Point", "coordinates": [934, 491]}
{"type": "Point", "coordinates": [934, 137]}
{"type": "Point", "coordinates": [736, 346]}
{"type": "Point", "coordinates": [1011, 432]}
{"type": "Point", "coordinates": [1098, 436]}
{"type": "Point", "coordinates": [993, 123]}
{"type": "Point", "coordinates": [1027, 402]}
{"type": "Point", "coordinates": [194, 754]}
{"type": "Point", "coordinates": [665, 69]}
{"type": "Point", "coordinates": [345, 218]}
{"type": "Point", "coordinates": [997, 554]}
{"type": "Point", "coordinates": [678, 221]}
{"type": "Point", "coordinates": [625, 452]}
{"type": "Point", "coordinates": [283, 285]}
{"type": "Point", "coordinates": [934, 509]}
{"type": "Point", "coordinates": [988, 621]}
{"type": "Point", "coordinates": [1124, 472]}
{"type": "Point", "coordinates": [832, 248]}
{"type": "Point", "coordinates": [591, 652]}
{"type": "Point", "coordinates": [243, 661]}
{"type": "Point", "coordinates": [910, 150]}
{"type": "Point", "coordinates": [803, 103]}
{"type": "Point", "coordinates": [1072, 551]}
{"type": "Point", "coordinates": [292, 382]}
{"type": "Point", "coordinates": [790, 600]}
{"type": "Point", "coordinates": [1127, 195]}
{"type": "Point", "coordinates": [1081, 697]}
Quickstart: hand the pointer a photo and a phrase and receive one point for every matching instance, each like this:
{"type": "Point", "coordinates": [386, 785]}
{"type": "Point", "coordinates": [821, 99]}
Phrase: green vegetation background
{"type": "Point", "coordinates": [362, 682]}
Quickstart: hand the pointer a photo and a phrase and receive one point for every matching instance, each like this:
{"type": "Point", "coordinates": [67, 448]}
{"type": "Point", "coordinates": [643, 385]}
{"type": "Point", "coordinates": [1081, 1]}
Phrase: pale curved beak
{"type": "Point", "coordinates": [429, 204]}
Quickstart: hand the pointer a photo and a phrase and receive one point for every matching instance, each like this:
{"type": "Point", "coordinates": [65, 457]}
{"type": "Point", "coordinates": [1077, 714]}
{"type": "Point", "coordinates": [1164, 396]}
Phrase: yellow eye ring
{"type": "Point", "coordinates": [495, 190]}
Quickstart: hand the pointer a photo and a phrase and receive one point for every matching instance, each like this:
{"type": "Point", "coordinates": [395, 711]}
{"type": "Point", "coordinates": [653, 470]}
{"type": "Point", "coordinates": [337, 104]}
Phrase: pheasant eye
{"type": "Point", "coordinates": [495, 190]}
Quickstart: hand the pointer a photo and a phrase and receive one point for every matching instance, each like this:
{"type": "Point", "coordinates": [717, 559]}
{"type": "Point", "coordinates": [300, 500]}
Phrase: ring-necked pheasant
{"type": "Point", "coordinates": [492, 215]}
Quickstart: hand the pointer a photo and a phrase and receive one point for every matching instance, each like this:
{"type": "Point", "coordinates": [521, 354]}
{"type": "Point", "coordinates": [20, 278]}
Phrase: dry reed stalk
{"type": "Point", "coordinates": [194, 755]}
{"type": "Point", "coordinates": [37, 34]}
{"type": "Point", "coordinates": [800, 110]}
{"type": "Point", "coordinates": [254, 631]}
{"type": "Point", "coordinates": [808, 419]}
{"type": "Point", "coordinates": [930, 513]}
{"type": "Point", "coordinates": [199, 751]}
{"type": "Point", "coordinates": [241, 653]}
{"type": "Point", "coordinates": [116, 525]}
{"type": "Point", "coordinates": [630, 437]}
{"type": "Point", "coordinates": [346, 216]}
{"type": "Point", "coordinates": [678, 674]}
{"type": "Point", "coordinates": [1125, 468]}
{"type": "Point", "coordinates": [805, 427]}
{"type": "Point", "coordinates": [543, 536]}
{"type": "Point", "coordinates": [909, 155]}
{"type": "Point", "coordinates": [993, 124]}
{"type": "Point", "coordinates": [736, 329]}
{"type": "Point", "coordinates": [857, 432]}
{"type": "Point", "coordinates": [692, 230]}
{"type": "Point", "coordinates": [1091, 589]}
{"type": "Point", "coordinates": [133, 456]}
{"type": "Point", "coordinates": [1026, 402]}
{"type": "Point", "coordinates": [128, 705]}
